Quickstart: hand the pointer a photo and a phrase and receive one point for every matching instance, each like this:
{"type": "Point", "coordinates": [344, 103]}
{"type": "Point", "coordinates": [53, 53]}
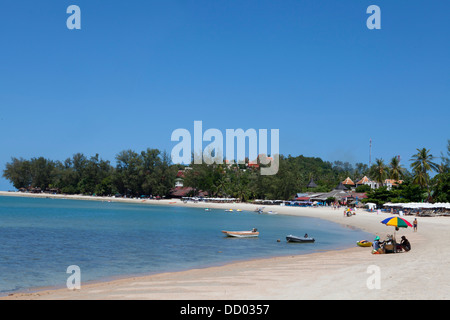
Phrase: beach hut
{"type": "Point", "coordinates": [311, 184]}
{"type": "Point", "coordinates": [364, 180]}
{"type": "Point", "coordinates": [348, 182]}
{"type": "Point", "coordinates": [341, 187]}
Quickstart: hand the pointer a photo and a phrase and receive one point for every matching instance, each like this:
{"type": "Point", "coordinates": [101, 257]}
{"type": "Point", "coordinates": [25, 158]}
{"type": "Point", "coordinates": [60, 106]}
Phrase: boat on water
{"type": "Point", "coordinates": [229, 210]}
{"type": "Point", "coordinates": [291, 238]}
{"type": "Point", "coordinates": [242, 234]}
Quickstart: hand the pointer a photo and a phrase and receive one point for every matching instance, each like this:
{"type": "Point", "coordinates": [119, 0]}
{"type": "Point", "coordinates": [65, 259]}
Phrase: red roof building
{"type": "Point", "coordinates": [348, 182]}
{"type": "Point", "coordinates": [179, 192]}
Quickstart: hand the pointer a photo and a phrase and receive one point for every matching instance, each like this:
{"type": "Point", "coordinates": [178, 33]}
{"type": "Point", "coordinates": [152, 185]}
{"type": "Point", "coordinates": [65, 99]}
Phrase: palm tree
{"type": "Point", "coordinates": [221, 187]}
{"type": "Point", "coordinates": [396, 171]}
{"type": "Point", "coordinates": [422, 163]}
{"type": "Point", "coordinates": [379, 172]}
{"type": "Point", "coordinates": [445, 165]}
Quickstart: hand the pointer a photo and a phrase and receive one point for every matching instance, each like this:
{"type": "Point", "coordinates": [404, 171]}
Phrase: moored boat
{"type": "Point", "coordinates": [291, 238]}
{"type": "Point", "coordinates": [242, 234]}
{"type": "Point", "coordinates": [260, 210]}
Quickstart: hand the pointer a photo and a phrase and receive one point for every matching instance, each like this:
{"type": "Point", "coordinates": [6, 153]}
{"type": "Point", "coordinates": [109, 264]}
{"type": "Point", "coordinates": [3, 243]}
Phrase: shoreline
{"type": "Point", "coordinates": [336, 274]}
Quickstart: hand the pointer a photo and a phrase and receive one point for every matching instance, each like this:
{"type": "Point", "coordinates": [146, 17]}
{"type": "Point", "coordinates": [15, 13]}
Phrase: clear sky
{"type": "Point", "coordinates": [139, 69]}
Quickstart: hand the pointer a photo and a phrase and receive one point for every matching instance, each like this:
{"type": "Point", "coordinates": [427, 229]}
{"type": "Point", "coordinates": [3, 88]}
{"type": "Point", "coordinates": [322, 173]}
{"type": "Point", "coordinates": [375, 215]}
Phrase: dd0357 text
{"type": "Point", "coordinates": [246, 309]}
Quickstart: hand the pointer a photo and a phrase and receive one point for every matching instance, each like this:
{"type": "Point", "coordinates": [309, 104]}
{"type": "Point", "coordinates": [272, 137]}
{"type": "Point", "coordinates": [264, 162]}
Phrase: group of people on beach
{"type": "Point", "coordinates": [349, 212]}
{"type": "Point", "coordinates": [390, 245]}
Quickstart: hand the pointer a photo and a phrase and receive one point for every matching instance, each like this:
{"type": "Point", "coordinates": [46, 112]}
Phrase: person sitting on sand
{"type": "Point", "coordinates": [405, 244]}
{"type": "Point", "coordinates": [377, 243]}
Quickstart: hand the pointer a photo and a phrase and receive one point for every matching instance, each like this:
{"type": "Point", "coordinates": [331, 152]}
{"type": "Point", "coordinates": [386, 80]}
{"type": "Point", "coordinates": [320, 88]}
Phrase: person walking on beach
{"type": "Point", "coordinates": [415, 224]}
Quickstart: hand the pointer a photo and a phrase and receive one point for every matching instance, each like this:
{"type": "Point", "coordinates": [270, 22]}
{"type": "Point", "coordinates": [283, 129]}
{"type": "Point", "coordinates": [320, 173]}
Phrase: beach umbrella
{"type": "Point", "coordinates": [396, 222]}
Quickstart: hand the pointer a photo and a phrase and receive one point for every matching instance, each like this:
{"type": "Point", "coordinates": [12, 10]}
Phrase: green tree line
{"type": "Point", "coordinates": [239, 181]}
{"type": "Point", "coordinates": [418, 185]}
{"type": "Point", "coordinates": [146, 173]}
{"type": "Point", "coordinates": [151, 172]}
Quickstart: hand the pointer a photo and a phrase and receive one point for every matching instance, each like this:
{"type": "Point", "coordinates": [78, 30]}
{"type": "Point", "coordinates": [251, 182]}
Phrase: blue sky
{"type": "Point", "coordinates": [137, 70]}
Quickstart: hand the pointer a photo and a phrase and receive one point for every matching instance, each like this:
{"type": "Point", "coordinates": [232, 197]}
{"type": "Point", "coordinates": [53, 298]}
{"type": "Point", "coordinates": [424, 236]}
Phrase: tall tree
{"type": "Point", "coordinates": [422, 163]}
{"type": "Point", "coordinates": [165, 173]}
{"type": "Point", "coordinates": [445, 159]}
{"type": "Point", "coordinates": [361, 170]}
{"type": "Point", "coordinates": [128, 176]}
{"type": "Point", "coordinates": [41, 171]}
{"type": "Point", "coordinates": [379, 172]}
{"type": "Point", "coordinates": [441, 182]}
{"type": "Point", "coordinates": [94, 173]}
{"type": "Point", "coordinates": [18, 172]}
{"type": "Point", "coordinates": [148, 170]}
{"type": "Point", "coordinates": [396, 171]}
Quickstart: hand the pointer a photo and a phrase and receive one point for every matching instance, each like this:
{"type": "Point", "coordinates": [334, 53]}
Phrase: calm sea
{"type": "Point", "coordinates": [40, 238]}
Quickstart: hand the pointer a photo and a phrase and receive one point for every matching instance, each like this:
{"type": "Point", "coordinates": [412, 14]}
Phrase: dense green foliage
{"type": "Point", "coordinates": [240, 181]}
{"type": "Point", "coordinates": [418, 186]}
{"type": "Point", "coordinates": [151, 172]}
{"type": "Point", "coordinates": [405, 192]}
{"type": "Point", "coordinates": [145, 173]}
{"type": "Point", "coordinates": [441, 182]}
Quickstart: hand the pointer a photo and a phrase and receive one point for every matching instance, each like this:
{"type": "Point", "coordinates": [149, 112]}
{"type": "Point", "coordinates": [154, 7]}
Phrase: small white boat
{"type": "Point", "coordinates": [242, 234]}
{"type": "Point", "coordinates": [259, 210]}
{"type": "Point", "coordinates": [229, 210]}
{"type": "Point", "coordinates": [305, 239]}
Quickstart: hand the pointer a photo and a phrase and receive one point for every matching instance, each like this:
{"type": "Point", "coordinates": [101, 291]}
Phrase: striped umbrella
{"type": "Point", "coordinates": [396, 222]}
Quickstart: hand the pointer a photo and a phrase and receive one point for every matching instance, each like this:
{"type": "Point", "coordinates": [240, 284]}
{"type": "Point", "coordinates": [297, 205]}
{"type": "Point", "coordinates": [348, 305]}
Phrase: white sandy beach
{"type": "Point", "coordinates": [418, 274]}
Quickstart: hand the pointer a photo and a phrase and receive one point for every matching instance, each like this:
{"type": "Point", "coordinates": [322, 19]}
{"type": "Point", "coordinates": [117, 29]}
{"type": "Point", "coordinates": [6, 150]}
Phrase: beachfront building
{"type": "Point", "coordinates": [354, 198]}
{"type": "Point", "coordinates": [338, 194]}
{"type": "Point", "coordinates": [348, 183]}
{"type": "Point", "coordinates": [341, 187]}
{"type": "Point", "coordinates": [389, 183]}
{"type": "Point", "coordinates": [179, 179]}
{"type": "Point", "coordinates": [366, 181]}
{"type": "Point", "coordinates": [253, 164]}
{"type": "Point", "coordinates": [256, 163]}
{"type": "Point", "coordinates": [182, 192]}
{"type": "Point", "coordinates": [311, 184]}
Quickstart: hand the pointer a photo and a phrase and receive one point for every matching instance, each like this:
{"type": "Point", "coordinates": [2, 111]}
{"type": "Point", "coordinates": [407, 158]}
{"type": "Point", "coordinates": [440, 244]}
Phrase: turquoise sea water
{"type": "Point", "coordinates": [40, 238]}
